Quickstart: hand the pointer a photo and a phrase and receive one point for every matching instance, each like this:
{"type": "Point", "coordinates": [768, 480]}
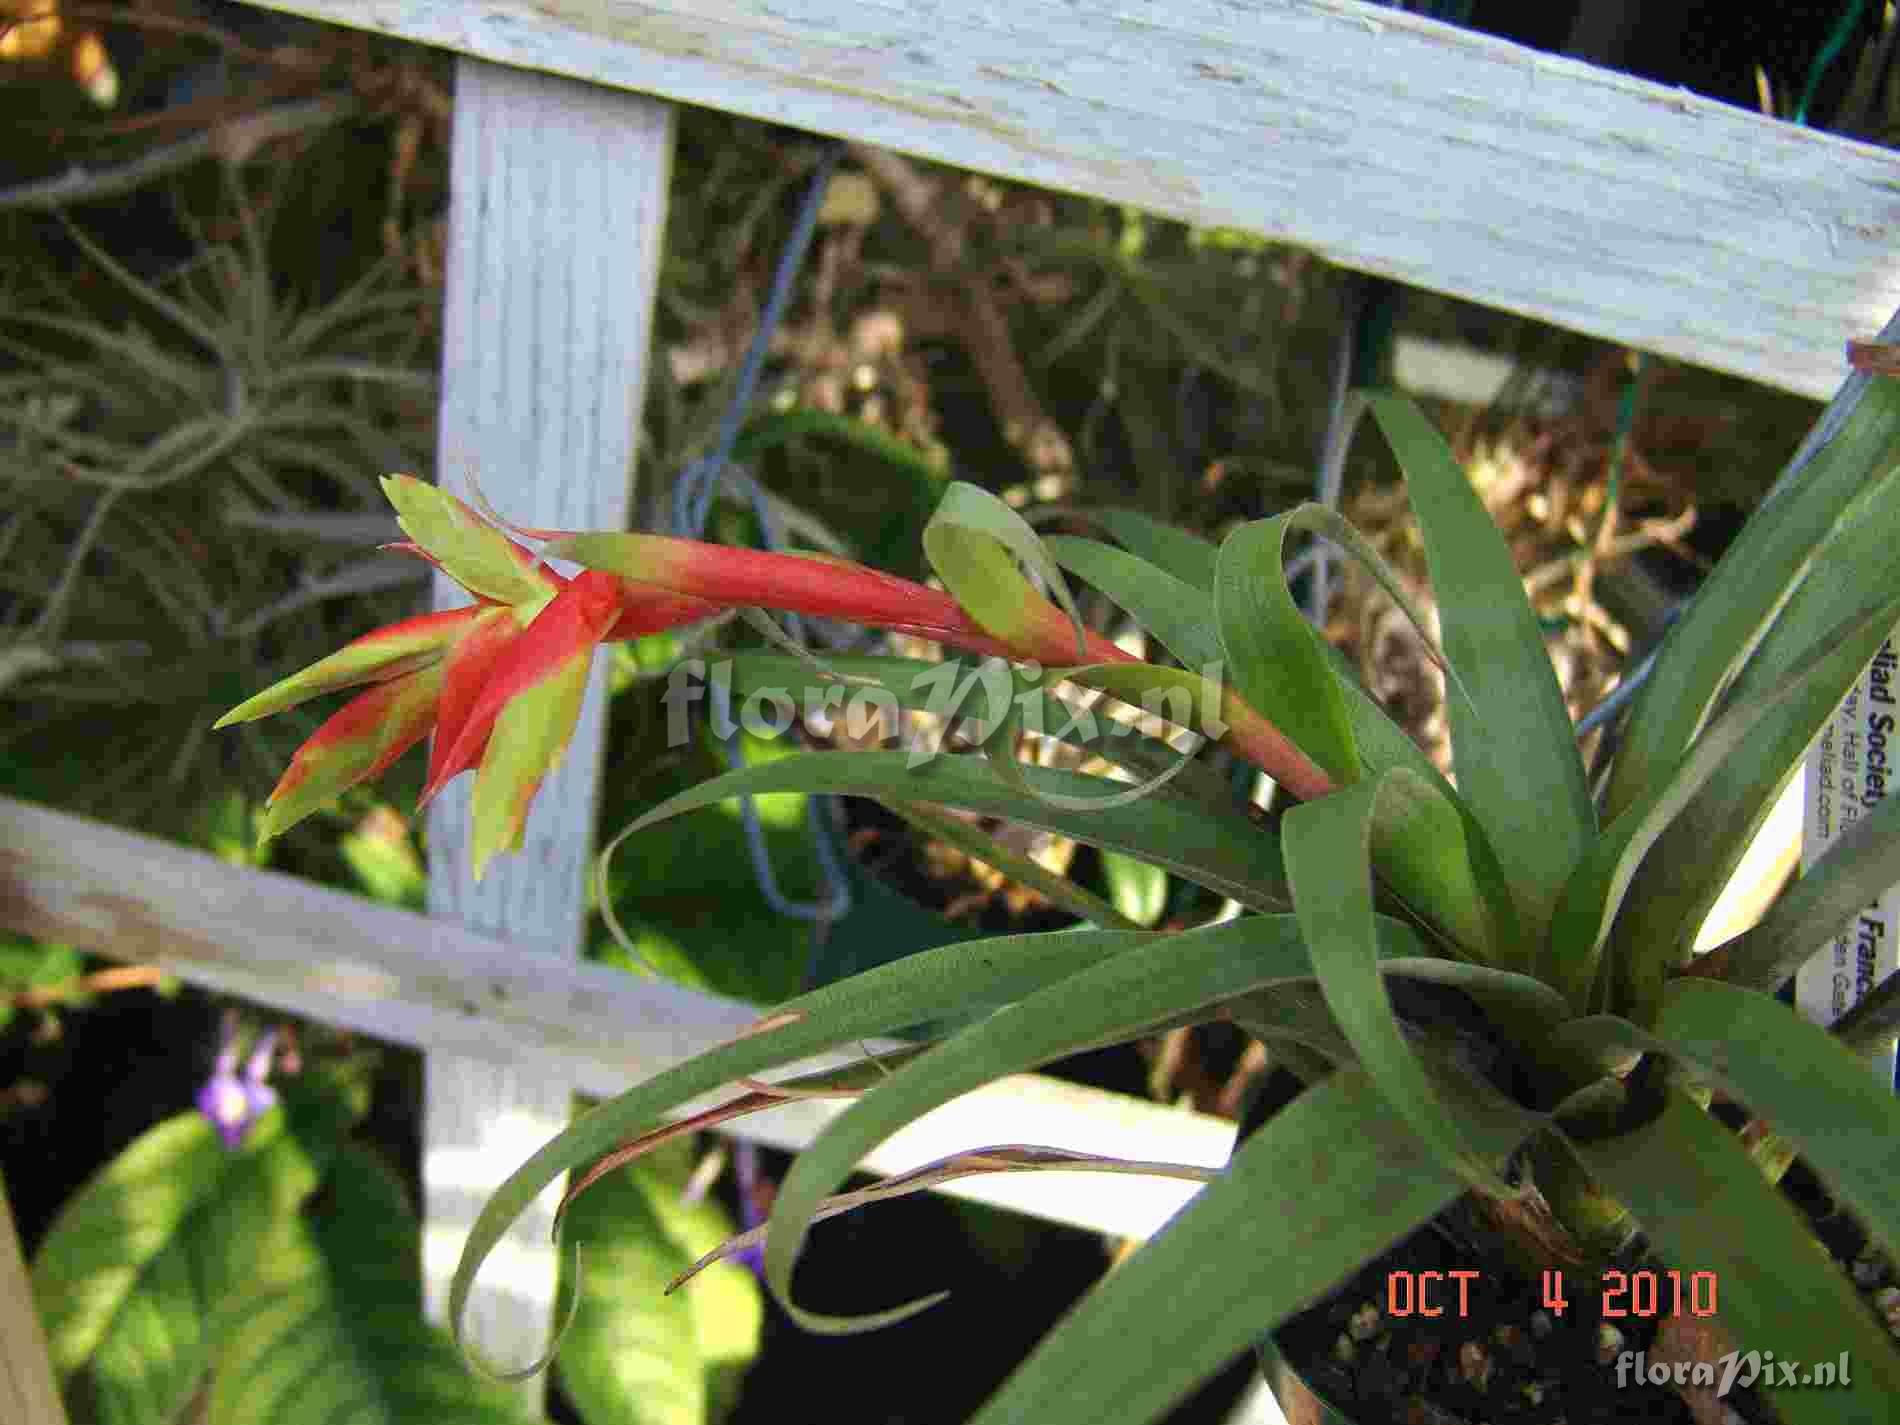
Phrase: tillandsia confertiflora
{"type": "Point", "coordinates": [1562, 905]}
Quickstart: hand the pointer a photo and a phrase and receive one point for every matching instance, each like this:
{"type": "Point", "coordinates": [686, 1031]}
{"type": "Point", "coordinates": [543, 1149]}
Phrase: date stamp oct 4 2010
{"type": "Point", "coordinates": [1637, 1295]}
{"type": "Point", "coordinates": [1641, 1295]}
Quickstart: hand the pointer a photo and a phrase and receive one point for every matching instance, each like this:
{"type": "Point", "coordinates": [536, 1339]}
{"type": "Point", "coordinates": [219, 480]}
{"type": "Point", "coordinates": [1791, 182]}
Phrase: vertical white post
{"type": "Point", "coordinates": [557, 206]}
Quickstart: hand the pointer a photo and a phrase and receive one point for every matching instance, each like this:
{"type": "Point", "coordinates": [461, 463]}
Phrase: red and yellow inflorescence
{"type": "Point", "coordinates": [499, 683]}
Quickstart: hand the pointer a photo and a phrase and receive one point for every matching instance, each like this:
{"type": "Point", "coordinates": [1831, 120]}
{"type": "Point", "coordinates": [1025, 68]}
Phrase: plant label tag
{"type": "Point", "coordinates": [1851, 767]}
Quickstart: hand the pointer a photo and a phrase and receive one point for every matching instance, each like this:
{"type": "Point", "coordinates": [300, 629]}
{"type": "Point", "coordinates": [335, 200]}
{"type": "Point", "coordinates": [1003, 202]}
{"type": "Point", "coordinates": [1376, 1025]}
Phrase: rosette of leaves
{"type": "Point", "coordinates": [1561, 908]}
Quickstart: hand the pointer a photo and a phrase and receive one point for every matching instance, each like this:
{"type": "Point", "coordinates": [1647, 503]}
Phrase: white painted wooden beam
{"type": "Point", "coordinates": [557, 212]}
{"type": "Point", "coordinates": [290, 945]}
{"type": "Point", "coordinates": [1386, 142]}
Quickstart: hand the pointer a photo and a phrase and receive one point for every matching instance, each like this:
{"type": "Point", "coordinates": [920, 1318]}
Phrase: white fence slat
{"type": "Point", "coordinates": [557, 208]}
{"type": "Point", "coordinates": [1386, 142]}
{"type": "Point", "coordinates": [289, 944]}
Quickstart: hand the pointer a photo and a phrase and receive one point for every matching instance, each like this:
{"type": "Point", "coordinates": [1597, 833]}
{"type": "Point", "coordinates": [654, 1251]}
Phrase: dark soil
{"type": "Point", "coordinates": [1505, 1354]}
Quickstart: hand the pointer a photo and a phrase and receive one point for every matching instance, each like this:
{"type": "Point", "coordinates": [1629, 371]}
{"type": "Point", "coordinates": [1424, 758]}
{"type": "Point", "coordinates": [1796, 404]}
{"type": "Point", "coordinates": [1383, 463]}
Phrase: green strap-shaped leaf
{"type": "Point", "coordinates": [1437, 862]}
{"type": "Point", "coordinates": [1174, 611]}
{"type": "Point", "coordinates": [973, 542]}
{"type": "Point", "coordinates": [1857, 870]}
{"type": "Point", "coordinates": [1116, 999]}
{"type": "Point", "coordinates": [1328, 858]}
{"type": "Point", "coordinates": [952, 979]}
{"type": "Point", "coordinates": [1219, 849]}
{"type": "Point", "coordinates": [1819, 1096]}
{"type": "Point", "coordinates": [1339, 1161]}
{"type": "Point", "coordinates": [634, 1354]}
{"type": "Point", "coordinates": [981, 846]}
{"type": "Point", "coordinates": [1272, 653]}
{"type": "Point", "coordinates": [1846, 605]}
{"type": "Point", "coordinates": [1706, 1207]}
{"type": "Point", "coordinates": [1852, 444]}
{"type": "Point", "coordinates": [1180, 614]}
{"type": "Point", "coordinates": [1595, 891]}
{"type": "Point", "coordinates": [1187, 557]}
{"type": "Point", "coordinates": [1513, 746]}
{"type": "Point", "coordinates": [331, 1328]}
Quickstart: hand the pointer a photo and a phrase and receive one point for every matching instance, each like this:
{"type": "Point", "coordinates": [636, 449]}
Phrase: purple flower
{"type": "Point", "coordinates": [233, 1101]}
{"type": "Point", "coordinates": [755, 1200]}
{"type": "Point", "coordinates": [755, 1195]}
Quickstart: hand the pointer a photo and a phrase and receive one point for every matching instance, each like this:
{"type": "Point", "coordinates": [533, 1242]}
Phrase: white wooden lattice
{"type": "Point", "coordinates": [1386, 142]}
{"type": "Point", "coordinates": [557, 210]}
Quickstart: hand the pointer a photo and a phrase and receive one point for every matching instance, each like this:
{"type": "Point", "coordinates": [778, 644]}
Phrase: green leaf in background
{"type": "Point", "coordinates": [1186, 556]}
{"type": "Point", "coordinates": [330, 1328]}
{"type": "Point", "coordinates": [136, 1280]}
{"type": "Point", "coordinates": [228, 829]}
{"type": "Point", "coordinates": [685, 893]}
{"type": "Point", "coordinates": [634, 1354]}
{"type": "Point", "coordinates": [1217, 848]}
{"type": "Point", "coordinates": [28, 965]}
{"type": "Point", "coordinates": [1138, 888]}
{"type": "Point", "coordinates": [1513, 747]}
{"type": "Point", "coordinates": [109, 1235]}
{"type": "Point", "coordinates": [1025, 870]}
{"type": "Point", "coordinates": [383, 855]}
{"type": "Point", "coordinates": [876, 490]}
{"type": "Point", "coordinates": [1178, 614]}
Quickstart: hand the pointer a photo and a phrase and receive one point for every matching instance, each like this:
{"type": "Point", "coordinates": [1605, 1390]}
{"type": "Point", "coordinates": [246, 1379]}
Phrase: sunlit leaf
{"type": "Point", "coordinates": [635, 1355]}
{"type": "Point", "coordinates": [973, 542]}
{"type": "Point", "coordinates": [331, 1327]}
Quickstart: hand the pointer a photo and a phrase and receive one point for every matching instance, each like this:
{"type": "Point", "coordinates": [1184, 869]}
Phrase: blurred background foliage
{"type": "Point", "coordinates": [221, 260]}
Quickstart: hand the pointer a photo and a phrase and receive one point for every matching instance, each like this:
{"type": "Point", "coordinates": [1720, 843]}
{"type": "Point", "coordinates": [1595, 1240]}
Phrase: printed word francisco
{"type": "Point", "coordinates": [1619, 1294]}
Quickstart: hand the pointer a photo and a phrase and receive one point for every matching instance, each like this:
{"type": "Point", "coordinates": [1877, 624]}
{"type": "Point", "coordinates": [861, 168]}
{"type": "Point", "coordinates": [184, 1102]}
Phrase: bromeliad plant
{"type": "Point", "coordinates": [1564, 914]}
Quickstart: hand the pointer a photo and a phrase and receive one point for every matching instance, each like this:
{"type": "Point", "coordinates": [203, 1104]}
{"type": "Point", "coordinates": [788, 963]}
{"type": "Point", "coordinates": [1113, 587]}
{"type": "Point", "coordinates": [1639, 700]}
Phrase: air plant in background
{"type": "Point", "coordinates": [499, 683]}
{"type": "Point", "coordinates": [235, 1100]}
